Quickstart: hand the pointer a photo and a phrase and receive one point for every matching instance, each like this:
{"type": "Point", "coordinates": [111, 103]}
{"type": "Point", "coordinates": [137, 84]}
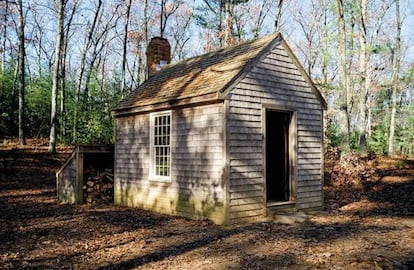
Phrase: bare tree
{"type": "Point", "coordinates": [216, 7]}
{"type": "Point", "coordinates": [145, 23]}
{"type": "Point", "coordinates": [62, 78]}
{"type": "Point", "coordinates": [38, 32]}
{"type": "Point", "coordinates": [22, 119]}
{"type": "Point", "coordinates": [87, 45]}
{"type": "Point", "coordinates": [5, 18]}
{"type": "Point", "coordinates": [100, 40]}
{"type": "Point", "coordinates": [179, 30]}
{"type": "Point", "coordinates": [343, 82]}
{"type": "Point", "coordinates": [124, 45]}
{"type": "Point", "coordinates": [364, 59]}
{"type": "Point", "coordinates": [310, 24]}
{"type": "Point", "coordinates": [278, 15]}
{"type": "Point", "coordinates": [395, 78]}
{"type": "Point", "coordinates": [167, 10]}
{"type": "Point", "coordinates": [229, 33]}
{"type": "Point", "coordinates": [259, 17]}
{"type": "Point", "coordinates": [55, 80]}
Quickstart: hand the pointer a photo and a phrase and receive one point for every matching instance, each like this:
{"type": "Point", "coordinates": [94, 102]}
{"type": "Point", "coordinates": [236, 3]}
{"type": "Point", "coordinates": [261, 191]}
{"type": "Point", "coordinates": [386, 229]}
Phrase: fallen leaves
{"type": "Point", "coordinates": [366, 226]}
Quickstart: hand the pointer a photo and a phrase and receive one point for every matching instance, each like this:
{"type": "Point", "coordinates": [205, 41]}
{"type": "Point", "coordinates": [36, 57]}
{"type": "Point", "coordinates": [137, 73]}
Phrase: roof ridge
{"type": "Point", "coordinates": [221, 50]}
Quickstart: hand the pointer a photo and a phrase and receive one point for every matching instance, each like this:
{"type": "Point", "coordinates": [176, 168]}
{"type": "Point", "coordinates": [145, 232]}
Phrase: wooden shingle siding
{"type": "Point", "coordinates": [132, 149]}
{"type": "Point", "coordinates": [275, 80]}
{"type": "Point", "coordinates": [66, 182]}
{"type": "Point", "coordinates": [197, 188]}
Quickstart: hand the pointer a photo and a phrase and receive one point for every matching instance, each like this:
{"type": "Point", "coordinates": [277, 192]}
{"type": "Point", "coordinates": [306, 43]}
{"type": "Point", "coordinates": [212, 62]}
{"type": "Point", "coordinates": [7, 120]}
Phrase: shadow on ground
{"type": "Point", "coordinates": [36, 232]}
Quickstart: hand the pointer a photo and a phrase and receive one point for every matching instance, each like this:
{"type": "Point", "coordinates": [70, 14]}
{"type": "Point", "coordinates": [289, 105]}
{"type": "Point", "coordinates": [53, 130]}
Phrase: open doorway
{"type": "Point", "coordinates": [278, 178]}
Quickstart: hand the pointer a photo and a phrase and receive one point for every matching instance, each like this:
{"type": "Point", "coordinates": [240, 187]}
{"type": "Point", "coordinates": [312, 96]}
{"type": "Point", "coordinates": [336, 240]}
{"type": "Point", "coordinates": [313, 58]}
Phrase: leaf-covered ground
{"type": "Point", "coordinates": [364, 226]}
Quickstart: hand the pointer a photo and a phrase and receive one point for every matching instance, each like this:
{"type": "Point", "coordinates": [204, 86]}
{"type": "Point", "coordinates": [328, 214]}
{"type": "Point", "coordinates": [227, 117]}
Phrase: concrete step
{"type": "Point", "coordinates": [285, 213]}
{"type": "Point", "coordinates": [289, 219]}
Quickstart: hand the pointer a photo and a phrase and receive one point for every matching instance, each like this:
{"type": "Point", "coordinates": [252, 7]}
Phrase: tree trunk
{"type": "Point", "coordinates": [364, 76]}
{"type": "Point", "coordinates": [264, 10]}
{"type": "Point", "coordinates": [220, 25]}
{"type": "Point", "coordinates": [229, 35]}
{"type": "Point", "coordinates": [3, 56]}
{"type": "Point", "coordinates": [62, 79]}
{"type": "Point", "coordinates": [55, 79]}
{"type": "Point", "coordinates": [278, 15]}
{"type": "Point", "coordinates": [85, 49]}
{"type": "Point", "coordinates": [395, 79]}
{"type": "Point", "coordinates": [22, 119]}
{"type": "Point", "coordinates": [162, 18]}
{"type": "Point", "coordinates": [12, 121]}
{"type": "Point", "coordinates": [325, 50]}
{"type": "Point", "coordinates": [124, 47]}
{"type": "Point", "coordinates": [342, 67]}
{"type": "Point", "coordinates": [146, 22]}
{"type": "Point", "coordinates": [62, 82]}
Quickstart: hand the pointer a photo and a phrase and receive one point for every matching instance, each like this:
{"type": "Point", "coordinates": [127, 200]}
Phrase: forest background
{"type": "Point", "coordinates": [65, 63]}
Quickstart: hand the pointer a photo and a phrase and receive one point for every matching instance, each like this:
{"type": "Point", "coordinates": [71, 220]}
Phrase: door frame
{"type": "Point", "coordinates": [292, 138]}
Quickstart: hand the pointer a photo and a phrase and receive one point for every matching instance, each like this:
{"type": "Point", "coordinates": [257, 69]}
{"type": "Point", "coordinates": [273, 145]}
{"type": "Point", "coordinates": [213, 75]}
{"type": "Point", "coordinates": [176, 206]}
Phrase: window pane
{"type": "Point", "coordinates": [161, 145]}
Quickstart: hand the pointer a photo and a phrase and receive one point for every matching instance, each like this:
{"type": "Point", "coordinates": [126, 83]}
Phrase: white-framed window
{"type": "Point", "coordinates": [160, 146]}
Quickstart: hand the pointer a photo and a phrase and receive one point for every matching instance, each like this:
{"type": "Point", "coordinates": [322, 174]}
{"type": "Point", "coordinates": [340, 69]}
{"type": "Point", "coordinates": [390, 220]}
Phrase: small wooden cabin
{"type": "Point", "coordinates": [224, 136]}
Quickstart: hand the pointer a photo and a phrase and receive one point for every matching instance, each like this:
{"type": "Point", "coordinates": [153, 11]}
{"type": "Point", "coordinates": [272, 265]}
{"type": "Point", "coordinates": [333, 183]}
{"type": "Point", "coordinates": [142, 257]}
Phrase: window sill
{"type": "Point", "coordinates": [156, 181]}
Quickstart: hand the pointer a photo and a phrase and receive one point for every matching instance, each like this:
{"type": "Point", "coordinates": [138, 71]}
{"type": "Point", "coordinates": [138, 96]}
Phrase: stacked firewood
{"type": "Point", "coordinates": [98, 186]}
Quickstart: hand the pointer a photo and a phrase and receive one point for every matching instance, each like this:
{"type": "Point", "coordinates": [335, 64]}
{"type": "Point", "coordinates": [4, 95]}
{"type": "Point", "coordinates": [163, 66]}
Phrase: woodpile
{"type": "Point", "coordinates": [98, 186]}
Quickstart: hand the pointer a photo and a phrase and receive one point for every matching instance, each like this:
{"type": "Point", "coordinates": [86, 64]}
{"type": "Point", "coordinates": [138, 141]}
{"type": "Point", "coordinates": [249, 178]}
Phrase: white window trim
{"type": "Point", "coordinates": [152, 176]}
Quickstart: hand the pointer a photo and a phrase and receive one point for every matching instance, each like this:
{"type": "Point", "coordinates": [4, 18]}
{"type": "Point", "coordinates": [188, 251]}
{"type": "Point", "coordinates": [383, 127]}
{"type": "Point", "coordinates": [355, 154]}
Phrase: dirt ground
{"type": "Point", "coordinates": [370, 226]}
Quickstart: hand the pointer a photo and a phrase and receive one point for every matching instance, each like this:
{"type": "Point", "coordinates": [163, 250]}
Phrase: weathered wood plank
{"type": "Point", "coordinates": [309, 205]}
{"type": "Point", "coordinates": [245, 175]}
{"type": "Point", "coordinates": [309, 156]}
{"type": "Point", "coordinates": [309, 171]}
{"type": "Point", "coordinates": [246, 149]}
{"type": "Point", "coordinates": [315, 139]}
{"type": "Point", "coordinates": [250, 213]}
{"type": "Point", "coordinates": [245, 130]}
{"type": "Point", "coordinates": [309, 194]}
{"type": "Point", "coordinates": [246, 207]}
{"type": "Point", "coordinates": [198, 148]}
{"type": "Point", "coordinates": [309, 144]}
{"type": "Point", "coordinates": [245, 156]}
{"type": "Point", "coordinates": [245, 162]}
{"type": "Point", "coordinates": [249, 88]}
{"type": "Point", "coordinates": [308, 166]}
{"type": "Point", "coordinates": [245, 169]}
{"type": "Point", "coordinates": [316, 162]}
{"type": "Point", "coordinates": [309, 150]}
{"type": "Point", "coordinates": [246, 181]}
{"type": "Point", "coordinates": [316, 187]}
{"type": "Point", "coordinates": [310, 133]}
{"type": "Point", "coordinates": [234, 123]}
{"type": "Point", "coordinates": [283, 96]}
{"type": "Point", "coordinates": [246, 137]}
{"type": "Point", "coordinates": [311, 180]}
{"type": "Point", "coordinates": [245, 194]}
{"type": "Point", "coordinates": [310, 199]}
{"type": "Point", "coordinates": [246, 187]}
{"type": "Point", "coordinates": [244, 201]}
{"type": "Point", "coordinates": [190, 173]}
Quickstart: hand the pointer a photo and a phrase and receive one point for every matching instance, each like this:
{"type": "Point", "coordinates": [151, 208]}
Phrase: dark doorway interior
{"type": "Point", "coordinates": [277, 156]}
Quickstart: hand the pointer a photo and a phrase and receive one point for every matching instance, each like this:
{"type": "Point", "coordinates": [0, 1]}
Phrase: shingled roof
{"type": "Point", "coordinates": [198, 79]}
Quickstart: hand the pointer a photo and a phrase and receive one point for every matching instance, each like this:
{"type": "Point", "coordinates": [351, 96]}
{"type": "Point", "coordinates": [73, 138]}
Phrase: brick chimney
{"type": "Point", "coordinates": [158, 54]}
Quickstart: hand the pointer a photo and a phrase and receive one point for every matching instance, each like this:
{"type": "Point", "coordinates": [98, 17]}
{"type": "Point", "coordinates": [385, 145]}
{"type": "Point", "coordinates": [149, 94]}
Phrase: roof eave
{"type": "Point", "coordinates": [169, 104]}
